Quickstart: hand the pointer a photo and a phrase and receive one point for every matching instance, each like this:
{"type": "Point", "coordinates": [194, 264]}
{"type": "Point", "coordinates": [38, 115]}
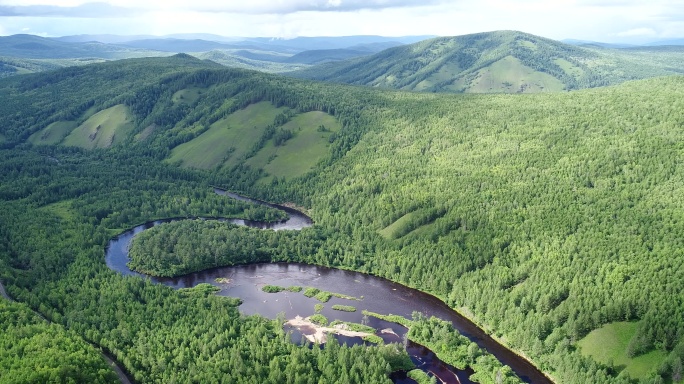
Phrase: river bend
{"type": "Point", "coordinates": [379, 295]}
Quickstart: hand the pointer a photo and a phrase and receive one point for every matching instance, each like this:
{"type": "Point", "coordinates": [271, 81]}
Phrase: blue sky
{"type": "Point", "coordinates": [598, 20]}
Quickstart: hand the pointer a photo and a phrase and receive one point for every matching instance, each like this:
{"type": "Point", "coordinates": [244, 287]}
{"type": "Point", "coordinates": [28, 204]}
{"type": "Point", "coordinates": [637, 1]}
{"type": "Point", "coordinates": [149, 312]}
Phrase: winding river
{"type": "Point", "coordinates": [376, 294]}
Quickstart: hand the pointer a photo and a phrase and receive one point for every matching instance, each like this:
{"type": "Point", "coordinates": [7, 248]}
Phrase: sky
{"type": "Point", "coordinates": [615, 21]}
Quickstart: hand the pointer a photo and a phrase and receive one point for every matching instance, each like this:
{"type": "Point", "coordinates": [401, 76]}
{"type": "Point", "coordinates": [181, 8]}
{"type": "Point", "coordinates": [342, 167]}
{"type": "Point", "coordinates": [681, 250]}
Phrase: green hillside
{"type": "Point", "coordinates": [279, 141]}
{"type": "Point", "coordinates": [227, 140]}
{"type": "Point", "coordinates": [497, 62]}
{"type": "Point", "coordinates": [53, 133]}
{"type": "Point", "coordinates": [230, 59]}
{"type": "Point", "coordinates": [102, 130]}
{"type": "Point", "coordinates": [610, 345]}
{"type": "Point", "coordinates": [311, 135]}
{"type": "Point", "coordinates": [187, 96]}
{"type": "Point", "coordinates": [319, 56]}
{"type": "Point", "coordinates": [552, 220]}
{"type": "Point", "coordinates": [37, 47]}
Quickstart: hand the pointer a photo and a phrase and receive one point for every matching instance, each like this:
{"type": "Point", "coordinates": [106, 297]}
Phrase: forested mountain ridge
{"type": "Point", "coordinates": [542, 217]}
{"type": "Point", "coordinates": [183, 111]}
{"type": "Point", "coordinates": [491, 62]}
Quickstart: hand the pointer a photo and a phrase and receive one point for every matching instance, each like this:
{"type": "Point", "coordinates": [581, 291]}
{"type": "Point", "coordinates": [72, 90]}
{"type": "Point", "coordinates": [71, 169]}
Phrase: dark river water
{"type": "Point", "coordinates": [374, 293]}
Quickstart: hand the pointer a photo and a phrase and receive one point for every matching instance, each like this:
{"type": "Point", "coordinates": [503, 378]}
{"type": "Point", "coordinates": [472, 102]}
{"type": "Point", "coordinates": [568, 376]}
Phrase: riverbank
{"type": "Point", "coordinates": [380, 294]}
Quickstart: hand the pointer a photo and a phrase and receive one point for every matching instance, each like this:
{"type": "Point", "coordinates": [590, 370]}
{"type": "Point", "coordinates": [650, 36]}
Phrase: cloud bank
{"type": "Point", "coordinates": [122, 8]}
{"type": "Point", "coordinates": [596, 20]}
{"type": "Point", "coordinates": [87, 10]}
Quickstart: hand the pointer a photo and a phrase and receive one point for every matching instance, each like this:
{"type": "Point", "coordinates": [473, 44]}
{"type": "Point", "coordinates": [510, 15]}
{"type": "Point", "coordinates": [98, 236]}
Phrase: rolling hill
{"type": "Point", "coordinates": [21, 54]}
{"type": "Point", "coordinates": [552, 220]}
{"type": "Point", "coordinates": [256, 60]}
{"type": "Point", "coordinates": [320, 56]}
{"type": "Point", "coordinates": [36, 47]}
{"type": "Point", "coordinates": [493, 62]}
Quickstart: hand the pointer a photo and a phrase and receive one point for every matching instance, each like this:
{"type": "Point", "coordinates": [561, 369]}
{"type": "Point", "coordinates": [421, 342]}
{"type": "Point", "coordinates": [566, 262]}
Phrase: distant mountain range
{"type": "Point", "coordinates": [28, 53]}
{"type": "Point", "coordinates": [499, 62]}
{"type": "Point", "coordinates": [205, 42]}
{"type": "Point", "coordinates": [36, 47]}
{"type": "Point", "coordinates": [491, 62]}
{"type": "Point", "coordinates": [625, 45]}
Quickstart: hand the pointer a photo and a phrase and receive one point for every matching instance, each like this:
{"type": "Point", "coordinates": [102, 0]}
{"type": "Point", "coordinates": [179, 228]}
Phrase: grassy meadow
{"type": "Point", "coordinates": [103, 129]}
{"type": "Point", "coordinates": [228, 139]}
{"type": "Point", "coordinates": [609, 345]}
{"type": "Point", "coordinates": [53, 133]}
{"type": "Point", "coordinates": [303, 151]}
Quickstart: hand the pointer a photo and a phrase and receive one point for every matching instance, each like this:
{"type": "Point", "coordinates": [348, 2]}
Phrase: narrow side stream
{"type": "Point", "coordinates": [113, 364]}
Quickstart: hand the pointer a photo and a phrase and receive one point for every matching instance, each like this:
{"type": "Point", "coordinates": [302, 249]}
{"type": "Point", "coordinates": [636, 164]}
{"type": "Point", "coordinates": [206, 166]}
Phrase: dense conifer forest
{"type": "Point", "coordinates": [541, 217]}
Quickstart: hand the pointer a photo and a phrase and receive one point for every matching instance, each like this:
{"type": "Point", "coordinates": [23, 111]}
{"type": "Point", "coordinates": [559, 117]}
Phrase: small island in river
{"type": "Point", "coordinates": [319, 334]}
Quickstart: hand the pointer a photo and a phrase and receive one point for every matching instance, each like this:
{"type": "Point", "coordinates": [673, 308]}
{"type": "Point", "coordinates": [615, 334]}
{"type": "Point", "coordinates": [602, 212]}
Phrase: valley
{"type": "Point", "coordinates": [549, 220]}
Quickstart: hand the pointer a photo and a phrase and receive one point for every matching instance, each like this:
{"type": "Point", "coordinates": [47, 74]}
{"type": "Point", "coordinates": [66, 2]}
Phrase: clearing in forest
{"type": "Point", "coordinates": [510, 75]}
{"type": "Point", "coordinates": [609, 344]}
{"type": "Point", "coordinates": [227, 140]}
{"type": "Point", "coordinates": [311, 134]}
{"type": "Point", "coordinates": [53, 133]}
{"type": "Point", "coordinates": [187, 96]}
{"type": "Point", "coordinates": [103, 129]}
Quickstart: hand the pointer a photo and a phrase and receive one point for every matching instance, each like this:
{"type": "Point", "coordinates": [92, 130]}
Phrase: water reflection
{"type": "Point", "coordinates": [375, 294]}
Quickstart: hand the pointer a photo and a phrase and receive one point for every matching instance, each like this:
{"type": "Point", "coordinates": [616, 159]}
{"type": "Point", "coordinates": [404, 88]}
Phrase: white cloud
{"type": "Point", "coordinates": [37, 7]}
{"type": "Point", "coordinates": [598, 20]}
{"type": "Point", "coordinates": [86, 10]}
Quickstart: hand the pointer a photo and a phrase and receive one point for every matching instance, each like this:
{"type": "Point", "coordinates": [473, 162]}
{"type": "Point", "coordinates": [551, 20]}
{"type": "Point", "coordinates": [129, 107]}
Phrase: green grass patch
{"type": "Point", "coordinates": [392, 231]}
{"type": "Point", "coordinates": [608, 344]}
{"type": "Point", "coordinates": [354, 326]}
{"type": "Point", "coordinates": [202, 289]}
{"type": "Point", "coordinates": [346, 297]}
{"type": "Point", "coordinates": [187, 96]}
{"type": "Point", "coordinates": [528, 44]}
{"type": "Point", "coordinates": [391, 318]}
{"type": "Point", "coordinates": [227, 140]}
{"type": "Point", "coordinates": [319, 319]}
{"type": "Point", "coordinates": [272, 288]}
{"type": "Point", "coordinates": [142, 136]}
{"type": "Point", "coordinates": [421, 377]}
{"type": "Point", "coordinates": [511, 76]}
{"type": "Point", "coordinates": [569, 68]}
{"type": "Point", "coordinates": [294, 288]}
{"type": "Point", "coordinates": [375, 339]}
{"type": "Point", "coordinates": [303, 151]}
{"type": "Point", "coordinates": [61, 209]}
{"type": "Point", "coordinates": [446, 72]}
{"type": "Point", "coordinates": [318, 308]}
{"type": "Point", "coordinates": [53, 133]}
{"type": "Point", "coordinates": [103, 129]}
{"type": "Point", "coordinates": [323, 296]}
{"type": "Point", "coordinates": [344, 308]}
{"type": "Point", "coordinates": [311, 292]}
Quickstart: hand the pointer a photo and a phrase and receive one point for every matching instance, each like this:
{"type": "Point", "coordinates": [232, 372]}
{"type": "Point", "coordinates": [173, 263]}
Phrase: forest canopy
{"type": "Point", "coordinates": [541, 217]}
